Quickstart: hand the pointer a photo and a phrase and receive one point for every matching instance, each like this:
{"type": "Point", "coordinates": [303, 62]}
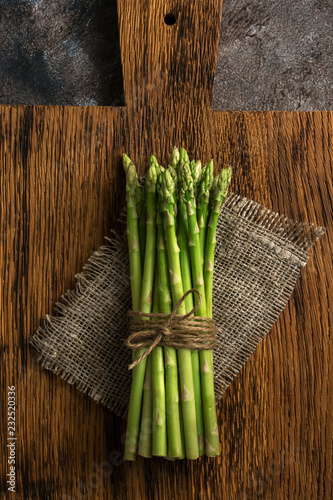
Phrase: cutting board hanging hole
{"type": "Point", "coordinates": [170, 19]}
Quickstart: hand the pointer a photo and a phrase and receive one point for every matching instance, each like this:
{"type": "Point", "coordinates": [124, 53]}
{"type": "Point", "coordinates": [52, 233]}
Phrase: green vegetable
{"type": "Point", "coordinates": [145, 441]}
{"type": "Point", "coordinates": [159, 441]}
{"type": "Point", "coordinates": [136, 281]}
{"type": "Point", "coordinates": [203, 191]}
{"type": "Point", "coordinates": [184, 355]}
{"type": "Point", "coordinates": [174, 158]}
{"type": "Point", "coordinates": [170, 354]}
{"type": "Point", "coordinates": [145, 301]}
{"type": "Point", "coordinates": [185, 264]}
{"type": "Point", "coordinates": [171, 230]}
{"type": "Point", "coordinates": [212, 445]}
{"type": "Point", "coordinates": [218, 194]}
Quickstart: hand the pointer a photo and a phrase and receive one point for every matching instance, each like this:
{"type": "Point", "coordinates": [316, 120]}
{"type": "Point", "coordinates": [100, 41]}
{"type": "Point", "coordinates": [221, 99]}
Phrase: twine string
{"type": "Point", "coordinates": [178, 331]}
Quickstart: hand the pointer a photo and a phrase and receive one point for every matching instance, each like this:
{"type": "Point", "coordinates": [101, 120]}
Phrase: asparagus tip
{"type": "Point", "coordinates": [126, 162]}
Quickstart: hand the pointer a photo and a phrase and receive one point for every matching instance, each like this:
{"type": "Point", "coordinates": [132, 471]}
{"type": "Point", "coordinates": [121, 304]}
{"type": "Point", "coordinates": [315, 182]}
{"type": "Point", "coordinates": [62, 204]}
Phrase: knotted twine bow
{"type": "Point", "coordinates": [179, 331]}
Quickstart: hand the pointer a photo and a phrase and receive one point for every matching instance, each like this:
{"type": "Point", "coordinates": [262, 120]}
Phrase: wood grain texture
{"type": "Point", "coordinates": [62, 188]}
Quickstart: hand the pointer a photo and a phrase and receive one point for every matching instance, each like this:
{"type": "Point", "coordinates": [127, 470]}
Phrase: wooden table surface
{"type": "Point", "coordinates": [62, 188]}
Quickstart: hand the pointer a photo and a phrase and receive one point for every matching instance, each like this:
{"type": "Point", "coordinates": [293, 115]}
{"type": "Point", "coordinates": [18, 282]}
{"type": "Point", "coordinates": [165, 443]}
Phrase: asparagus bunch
{"type": "Point", "coordinates": [171, 226]}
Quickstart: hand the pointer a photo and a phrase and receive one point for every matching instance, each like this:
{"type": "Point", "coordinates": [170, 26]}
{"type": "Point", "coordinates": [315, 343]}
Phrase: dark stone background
{"type": "Point", "coordinates": [275, 55]}
{"type": "Point", "coordinates": [62, 52]}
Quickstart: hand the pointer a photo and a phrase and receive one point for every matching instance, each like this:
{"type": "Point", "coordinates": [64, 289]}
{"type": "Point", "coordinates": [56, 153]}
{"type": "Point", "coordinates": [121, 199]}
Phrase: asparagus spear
{"type": "Point", "coordinates": [184, 355]}
{"type": "Point", "coordinates": [136, 280]}
{"type": "Point", "coordinates": [149, 389]}
{"type": "Point", "coordinates": [174, 158]}
{"type": "Point", "coordinates": [182, 235]}
{"type": "Point", "coordinates": [183, 157]}
{"type": "Point", "coordinates": [204, 186]}
{"type": "Point", "coordinates": [147, 422]}
{"type": "Point", "coordinates": [175, 445]}
{"type": "Point", "coordinates": [212, 445]}
{"type": "Point", "coordinates": [145, 441]}
{"type": "Point", "coordinates": [143, 214]}
{"type": "Point", "coordinates": [126, 162]}
{"type": "Point", "coordinates": [133, 232]}
{"type": "Point", "coordinates": [150, 252]}
{"type": "Point", "coordinates": [142, 227]}
{"type": "Point", "coordinates": [145, 303]}
{"type": "Point", "coordinates": [159, 445]}
{"type": "Point", "coordinates": [185, 265]}
{"type": "Point", "coordinates": [182, 433]}
{"type": "Point", "coordinates": [159, 403]}
{"type": "Point", "coordinates": [196, 168]}
{"type": "Point", "coordinates": [218, 194]}
{"type": "Point", "coordinates": [170, 354]}
{"type": "Point", "coordinates": [183, 240]}
{"type": "Point", "coordinates": [188, 195]}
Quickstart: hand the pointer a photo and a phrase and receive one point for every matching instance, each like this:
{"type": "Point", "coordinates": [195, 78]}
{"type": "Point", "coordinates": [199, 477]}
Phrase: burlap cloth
{"type": "Point", "coordinates": [259, 255]}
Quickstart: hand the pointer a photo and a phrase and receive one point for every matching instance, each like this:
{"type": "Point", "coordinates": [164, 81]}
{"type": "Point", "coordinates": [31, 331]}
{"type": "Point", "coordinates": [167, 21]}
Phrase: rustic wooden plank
{"type": "Point", "coordinates": [62, 188]}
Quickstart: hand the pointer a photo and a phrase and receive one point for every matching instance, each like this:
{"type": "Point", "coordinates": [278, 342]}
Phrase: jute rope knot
{"type": "Point", "coordinates": [173, 330]}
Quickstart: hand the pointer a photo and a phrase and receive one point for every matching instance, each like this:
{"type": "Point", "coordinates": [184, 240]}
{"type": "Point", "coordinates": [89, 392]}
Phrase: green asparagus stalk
{"type": "Point", "coordinates": [204, 186]}
{"type": "Point", "coordinates": [198, 401]}
{"type": "Point", "coordinates": [183, 157]}
{"type": "Point", "coordinates": [145, 440]}
{"type": "Point", "coordinates": [155, 364]}
{"type": "Point", "coordinates": [182, 433]}
{"type": "Point", "coordinates": [133, 232]}
{"type": "Point", "coordinates": [170, 354]}
{"type": "Point", "coordinates": [212, 445]}
{"type": "Point", "coordinates": [187, 193]}
{"type": "Point", "coordinates": [126, 162]}
{"type": "Point", "coordinates": [142, 228]}
{"type": "Point", "coordinates": [185, 265]}
{"type": "Point", "coordinates": [218, 194]}
{"type": "Point", "coordinates": [174, 158]}
{"type": "Point", "coordinates": [153, 162]}
{"type": "Point", "coordinates": [145, 304]}
{"type": "Point", "coordinates": [159, 404]}
{"type": "Point", "coordinates": [184, 255]}
{"type": "Point", "coordinates": [143, 214]}
{"type": "Point", "coordinates": [159, 438]}
{"type": "Point", "coordinates": [196, 169]}
{"type": "Point", "coordinates": [173, 174]}
{"type": "Point", "coordinates": [150, 252]}
{"type": "Point", "coordinates": [184, 355]}
{"type": "Point", "coordinates": [136, 281]}
{"type": "Point", "coordinates": [160, 272]}
{"type": "Point", "coordinates": [182, 234]}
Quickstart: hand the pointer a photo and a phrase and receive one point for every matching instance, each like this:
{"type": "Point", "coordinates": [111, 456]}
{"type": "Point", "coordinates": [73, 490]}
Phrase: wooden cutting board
{"type": "Point", "coordinates": [62, 188]}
